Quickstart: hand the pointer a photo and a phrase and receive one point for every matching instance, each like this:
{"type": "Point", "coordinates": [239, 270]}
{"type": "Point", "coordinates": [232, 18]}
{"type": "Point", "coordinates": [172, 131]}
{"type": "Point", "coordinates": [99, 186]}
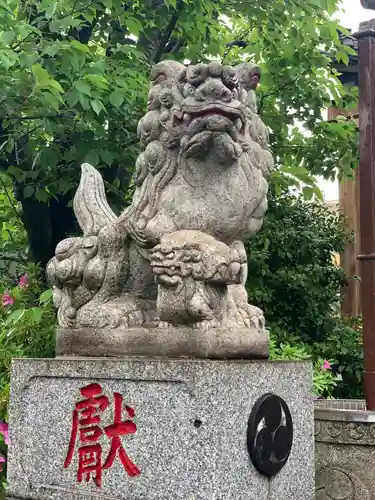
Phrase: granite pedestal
{"type": "Point", "coordinates": [186, 431]}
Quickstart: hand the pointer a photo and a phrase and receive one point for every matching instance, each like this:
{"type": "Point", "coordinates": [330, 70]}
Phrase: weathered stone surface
{"type": "Point", "coordinates": [368, 4]}
{"type": "Point", "coordinates": [344, 451]}
{"type": "Point", "coordinates": [211, 343]}
{"type": "Point", "coordinates": [176, 256]}
{"type": "Point", "coordinates": [190, 441]}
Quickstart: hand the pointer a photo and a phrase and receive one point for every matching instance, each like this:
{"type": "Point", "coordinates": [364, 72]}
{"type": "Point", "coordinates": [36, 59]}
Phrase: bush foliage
{"type": "Point", "coordinates": [294, 278]}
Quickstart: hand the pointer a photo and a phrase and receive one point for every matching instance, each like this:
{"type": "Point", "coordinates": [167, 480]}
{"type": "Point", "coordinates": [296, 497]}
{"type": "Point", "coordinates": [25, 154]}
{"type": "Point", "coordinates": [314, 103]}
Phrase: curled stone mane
{"type": "Point", "coordinates": [152, 183]}
{"type": "Point", "coordinates": [160, 138]}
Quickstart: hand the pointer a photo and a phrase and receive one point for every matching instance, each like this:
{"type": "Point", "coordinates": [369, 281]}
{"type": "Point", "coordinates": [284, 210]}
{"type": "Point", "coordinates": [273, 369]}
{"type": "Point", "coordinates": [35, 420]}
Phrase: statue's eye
{"type": "Point", "coordinates": [189, 90]}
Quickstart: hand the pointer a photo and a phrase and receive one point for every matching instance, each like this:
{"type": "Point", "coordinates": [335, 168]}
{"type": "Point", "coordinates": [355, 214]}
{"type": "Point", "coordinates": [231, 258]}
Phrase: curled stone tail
{"type": "Point", "coordinates": [90, 203]}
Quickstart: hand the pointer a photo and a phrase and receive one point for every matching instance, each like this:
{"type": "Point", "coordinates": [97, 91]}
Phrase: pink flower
{"type": "Point", "coordinates": [4, 430]}
{"type": "Point", "coordinates": [2, 459]}
{"type": "Point", "coordinates": [326, 365]}
{"type": "Point", "coordinates": [23, 281]}
{"type": "Point", "coordinates": [7, 299]}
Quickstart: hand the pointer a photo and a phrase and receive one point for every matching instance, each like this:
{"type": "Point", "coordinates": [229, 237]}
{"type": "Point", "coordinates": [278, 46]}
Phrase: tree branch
{"type": "Point", "coordinates": [237, 43]}
{"type": "Point", "coordinates": [168, 32]}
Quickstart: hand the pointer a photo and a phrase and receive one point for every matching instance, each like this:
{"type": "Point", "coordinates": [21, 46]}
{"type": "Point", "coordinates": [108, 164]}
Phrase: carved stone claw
{"type": "Point", "coordinates": [164, 324]}
{"type": "Point", "coordinates": [207, 324]}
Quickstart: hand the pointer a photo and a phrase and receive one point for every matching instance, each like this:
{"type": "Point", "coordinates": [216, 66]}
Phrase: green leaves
{"type": "Point", "coordinates": [309, 192]}
{"type": "Point", "coordinates": [324, 380]}
{"type": "Point", "coordinates": [295, 280]}
{"type": "Point", "coordinates": [301, 178]}
{"type": "Point", "coordinates": [28, 191]}
{"type": "Point", "coordinates": [32, 315]}
{"type": "Point", "coordinates": [45, 297]}
{"type": "Point", "coordinates": [44, 82]}
{"type": "Point", "coordinates": [50, 9]}
{"type": "Point", "coordinates": [8, 58]}
{"type": "Point", "coordinates": [116, 98]}
{"type": "Point", "coordinates": [14, 317]}
{"type": "Point", "coordinates": [41, 75]}
{"type": "Point", "coordinates": [7, 37]}
{"type": "Point", "coordinates": [26, 330]}
{"type": "Point", "coordinates": [82, 69]}
{"type": "Point", "coordinates": [83, 86]}
{"type": "Point", "coordinates": [96, 105]}
{"type": "Point", "coordinates": [172, 3]}
{"type": "Point", "coordinates": [133, 25]}
{"type": "Point", "coordinates": [97, 81]}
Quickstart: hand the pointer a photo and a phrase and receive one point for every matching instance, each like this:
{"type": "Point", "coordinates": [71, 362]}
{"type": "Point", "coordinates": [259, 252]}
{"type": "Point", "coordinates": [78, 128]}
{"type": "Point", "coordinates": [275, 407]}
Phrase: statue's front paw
{"type": "Point", "coordinates": [98, 314]}
{"type": "Point", "coordinates": [250, 316]}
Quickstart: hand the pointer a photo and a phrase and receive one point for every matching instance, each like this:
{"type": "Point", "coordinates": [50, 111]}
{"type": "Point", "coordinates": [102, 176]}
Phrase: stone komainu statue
{"type": "Point", "coordinates": [175, 258]}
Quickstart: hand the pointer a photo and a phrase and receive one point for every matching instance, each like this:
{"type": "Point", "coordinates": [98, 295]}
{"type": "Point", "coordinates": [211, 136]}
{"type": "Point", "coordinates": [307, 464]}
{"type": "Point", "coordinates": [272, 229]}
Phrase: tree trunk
{"type": "Point", "coordinates": [46, 225]}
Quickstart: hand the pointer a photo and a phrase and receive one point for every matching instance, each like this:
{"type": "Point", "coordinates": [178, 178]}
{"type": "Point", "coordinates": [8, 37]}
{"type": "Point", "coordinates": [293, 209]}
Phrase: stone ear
{"type": "Point", "coordinates": [246, 73]}
{"type": "Point", "coordinates": [166, 71]}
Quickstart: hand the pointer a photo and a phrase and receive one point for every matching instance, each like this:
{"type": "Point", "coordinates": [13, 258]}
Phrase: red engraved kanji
{"type": "Point", "coordinates": [86, 417]}
{"type": "Point", "coordinates": [117, 429]}
{"type": "Point", "coordinates": [86, 421]}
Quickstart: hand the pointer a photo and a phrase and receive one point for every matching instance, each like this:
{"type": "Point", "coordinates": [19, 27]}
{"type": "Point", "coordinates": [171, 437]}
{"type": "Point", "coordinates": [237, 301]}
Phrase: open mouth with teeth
{"type": "Point", "coordinates": [197, 118]}
{"type": "Point", "coordinates": [205, 123]}
{"type": "Point", "coordinates": [169, 274]}
{"type": "Point", "coordinates": [168, 269]}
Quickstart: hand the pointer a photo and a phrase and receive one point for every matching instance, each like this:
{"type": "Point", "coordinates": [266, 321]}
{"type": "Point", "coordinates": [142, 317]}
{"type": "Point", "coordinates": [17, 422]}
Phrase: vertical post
{"type": "Point", "coordinates": [349, 208]}
{"type": "Point", "coordinates": [366, 51]}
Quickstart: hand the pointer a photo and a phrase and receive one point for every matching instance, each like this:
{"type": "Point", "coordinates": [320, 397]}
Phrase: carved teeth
{"type": "Point", "coordinates": [238, 124]}
{"type": "Point", "coordinates": [187, 118]}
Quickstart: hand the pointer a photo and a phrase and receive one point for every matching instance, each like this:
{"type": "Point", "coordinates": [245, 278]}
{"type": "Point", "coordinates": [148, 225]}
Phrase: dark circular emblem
{"type": "Point", "coordinates": [269, 434]}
